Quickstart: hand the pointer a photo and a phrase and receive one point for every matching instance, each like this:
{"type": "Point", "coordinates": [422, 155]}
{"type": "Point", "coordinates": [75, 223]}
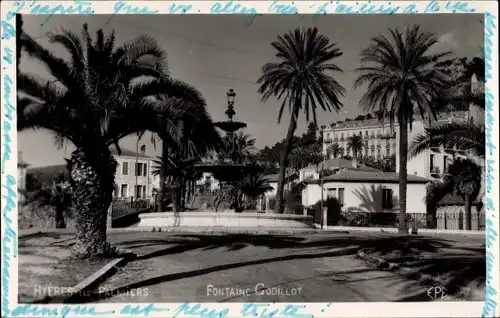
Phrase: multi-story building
{"type": "Point", "coordinates": [134, 174]}
{"type": "Point", "coordinates": [379, 139]}
{"type": "Point", "coordinates": [382, 140]}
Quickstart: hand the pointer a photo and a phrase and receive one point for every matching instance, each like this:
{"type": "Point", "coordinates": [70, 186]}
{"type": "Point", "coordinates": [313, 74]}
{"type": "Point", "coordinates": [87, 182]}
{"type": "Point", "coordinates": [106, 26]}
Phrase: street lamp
{"type": "Point", "coordinates": [230, 102]}
{"type": "Point", "coordinates": [230, 97]}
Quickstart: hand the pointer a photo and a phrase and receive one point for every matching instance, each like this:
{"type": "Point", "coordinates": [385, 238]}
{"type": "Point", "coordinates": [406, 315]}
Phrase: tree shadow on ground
{"type": "Point", "coordinates": [306, 248]}
{"type": "Point", "coordinates": [234, 242]}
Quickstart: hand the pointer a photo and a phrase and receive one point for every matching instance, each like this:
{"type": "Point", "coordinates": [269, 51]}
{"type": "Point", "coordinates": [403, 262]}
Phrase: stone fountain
{"type": "Point", "coordinates": [227, 169]}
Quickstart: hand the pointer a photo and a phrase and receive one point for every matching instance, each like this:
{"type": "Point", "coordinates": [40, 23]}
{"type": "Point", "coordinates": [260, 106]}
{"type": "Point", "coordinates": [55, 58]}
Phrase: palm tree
{"type": "Point", "coordinates": [57, 195]}
{"type": "Point", "coordinates": [466, 135]}
{"type": "Point", "coordinates": [253, 185]}
{"type": "Point", "coordinates": [268, 167]}
{"type": "Point", "coordinates": [464, 176]}
{"type": "Point", "coordinates": [333, 150]}
{"type": "Point", "coordinates": [97, 98]}
{"type": "Point", "coordinates": [403, 78]}
{"type": "Point", "coordinates": [299, 158]}
{"type": "Point", "coordinates": [355, 143]}
{"type": "Point", "coordinates": [198, 136]}
{"type": "Point", "coordinates": [301, 80]}
{"type": "Point", "coordinates": [180, 170]}
{"type": "Point", "coordinates": [240, 147]}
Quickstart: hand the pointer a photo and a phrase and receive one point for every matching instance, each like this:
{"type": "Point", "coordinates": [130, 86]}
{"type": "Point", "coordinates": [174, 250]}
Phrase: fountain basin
{"type": "Point", "coordinates": [224, 219]}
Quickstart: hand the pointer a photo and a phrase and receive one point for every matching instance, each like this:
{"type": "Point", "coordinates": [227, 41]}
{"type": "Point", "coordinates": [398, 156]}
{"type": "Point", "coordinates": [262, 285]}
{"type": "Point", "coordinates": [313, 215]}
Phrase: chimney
{"type": "Point", "coordinates": [143, 149]}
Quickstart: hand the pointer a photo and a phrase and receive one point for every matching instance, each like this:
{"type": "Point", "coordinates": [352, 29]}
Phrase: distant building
{"type": "Point", "coordinates": [134, 174]}
{"type": "Point", "coordinates": [133, 177]}
{"type": "Point", "coordinates": [381, 140]}
{"type": "Point", "coordinates": [366, 191]}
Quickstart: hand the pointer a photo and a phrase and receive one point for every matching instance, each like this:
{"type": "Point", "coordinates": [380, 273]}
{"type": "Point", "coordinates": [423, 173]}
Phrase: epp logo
{"type": "Point", "coordinates": [437, 292]}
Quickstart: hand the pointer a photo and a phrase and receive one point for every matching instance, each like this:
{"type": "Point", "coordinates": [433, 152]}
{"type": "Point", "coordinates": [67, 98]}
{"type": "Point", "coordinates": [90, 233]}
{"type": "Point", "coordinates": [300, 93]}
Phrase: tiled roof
{"type": "Point", "coordinates": [127, 153]}
{"type": "Point", "coordinates": [376, 121]}
{"type": "Point", "coordinates": [369, 176]}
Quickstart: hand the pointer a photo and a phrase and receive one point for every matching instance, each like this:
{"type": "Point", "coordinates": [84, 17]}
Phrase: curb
{"type": "Point", "coordinates": [83, 288]}
{"type": "Point", "coordinates": [215, 231]}
{"type": "Point", "coordinates": [406, 272]}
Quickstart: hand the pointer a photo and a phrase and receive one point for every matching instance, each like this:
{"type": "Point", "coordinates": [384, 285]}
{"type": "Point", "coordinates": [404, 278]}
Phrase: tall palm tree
{"type": "Point", "coordinates": [403, 78]}
{"type": "Point", "coordinates": [333, 150]}
{"type": "Point", "coordinates": [464, 176]}
{"type": "Point", "coordinates": [301, 79]}
{"type": "Point", "coordinates": [93, 100]}
{"type": "Point", "coordinates": [356, 144]}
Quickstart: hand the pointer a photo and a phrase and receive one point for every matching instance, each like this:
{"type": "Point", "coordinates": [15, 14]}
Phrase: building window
{"type": "Point", "coordinates": [341, 196]}
{"type": "Point", "coordinates": [342, 136]}
{"type": "Point", "coordinates": [445, 164]}
{"type": "Point", "coordinates": [124, 191]}
{"type": "Point", "coordinates": [378, 154]}
{"type": "Point", "coordinates": [140, 191]}
{"type": "Point", "coordinates": [138, 169]}
{"type": "Point", "coordinates": [145, 170]}
{"type": "Point", "coordinates": [387, 198]}
{"type": "Point", "coordinates": [432, 162]}
{"type": "Point", "coordinates": [125, 168]}
{"type": "Point", "coordinates": [115, 191]}
{"type": "Point", "coordinates": [366, 133]}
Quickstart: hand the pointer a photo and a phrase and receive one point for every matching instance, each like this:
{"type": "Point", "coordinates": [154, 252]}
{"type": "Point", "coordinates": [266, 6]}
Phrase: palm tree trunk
{"type": "Point", "coordinates": [403, 173]}
{"type": "Point", "coordinates": [92, 181]}
{"type": "Point", "coordinates": [283, 163]}
{"type": "Point", "coordinates": [60, 224]}
{"type": "Point", "coordinates": [162, 190]}
{"type": "Point", "coordinates": [468, 211]}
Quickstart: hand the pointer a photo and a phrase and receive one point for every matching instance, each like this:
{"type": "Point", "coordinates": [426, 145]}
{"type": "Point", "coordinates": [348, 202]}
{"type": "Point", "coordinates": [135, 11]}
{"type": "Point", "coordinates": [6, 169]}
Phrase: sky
{"type": "Point", "coordinates": [217, 52]}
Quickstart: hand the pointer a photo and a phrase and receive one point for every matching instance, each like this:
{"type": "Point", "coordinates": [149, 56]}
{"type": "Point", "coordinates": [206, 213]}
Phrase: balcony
{"type": "Point", "coordinates": [388, 135]}
{"type": "Point", "coordinates": [435, 172]}
{"type": "Point", "coordinates": [328, 140]}
{"type": "Point", "coordinates": [336, 139]}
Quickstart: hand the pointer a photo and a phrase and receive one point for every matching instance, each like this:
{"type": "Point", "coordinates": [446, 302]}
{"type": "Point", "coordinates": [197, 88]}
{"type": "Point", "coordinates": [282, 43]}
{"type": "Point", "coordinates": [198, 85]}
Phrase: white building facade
{"type": "Point", "coordinates": [134, 175]}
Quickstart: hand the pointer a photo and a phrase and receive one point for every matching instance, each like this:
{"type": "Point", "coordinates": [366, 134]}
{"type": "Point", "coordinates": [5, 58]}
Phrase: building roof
{"type": "Point", "coordinates": [275, 177]}
{"type": "Point", "coordinates": [356, 175]}
{"type": "Point", "coordinates": [376, 121]}
{"type": "Point", "coordinates": [127, 153]}
{"type": "Point", "coordinates": [340, 163]}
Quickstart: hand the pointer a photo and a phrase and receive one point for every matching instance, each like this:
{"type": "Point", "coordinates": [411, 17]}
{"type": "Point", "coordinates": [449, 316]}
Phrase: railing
{"type": "Point", "coordinates": [122, 207]}
{"type": "Point", "coordinates": [386, 219]}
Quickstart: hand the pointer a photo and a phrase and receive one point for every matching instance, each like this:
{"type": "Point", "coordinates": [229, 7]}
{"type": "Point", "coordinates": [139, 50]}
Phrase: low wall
{"type": "Point", "coordinates": [225, 219]}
